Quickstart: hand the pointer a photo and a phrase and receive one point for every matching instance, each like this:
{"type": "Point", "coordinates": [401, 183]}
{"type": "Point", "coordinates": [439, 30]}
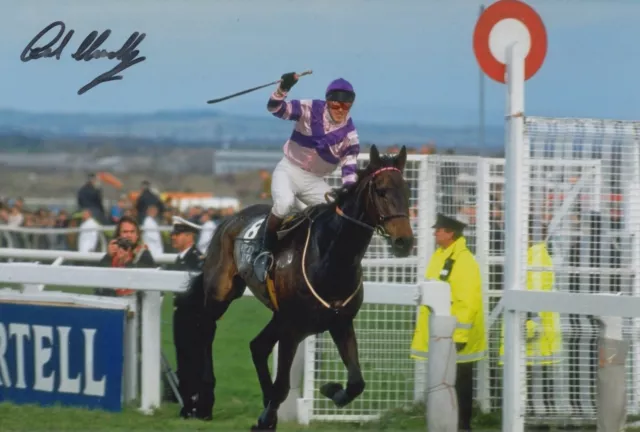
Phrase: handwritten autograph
{"type": "Point", "coordinates": [88, 50]}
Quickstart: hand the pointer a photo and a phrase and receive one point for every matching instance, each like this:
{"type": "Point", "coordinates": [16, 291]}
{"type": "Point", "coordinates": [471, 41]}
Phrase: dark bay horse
{"type": "Point", "coordinates": [315, 284]}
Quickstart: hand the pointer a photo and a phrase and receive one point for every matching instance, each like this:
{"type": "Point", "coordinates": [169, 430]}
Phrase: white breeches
{"type": "Point", "coordinates": [292, 186]}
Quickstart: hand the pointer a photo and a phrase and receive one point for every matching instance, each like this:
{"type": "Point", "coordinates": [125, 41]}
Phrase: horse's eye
{"type": "Point", "coordinates": [381, 192]}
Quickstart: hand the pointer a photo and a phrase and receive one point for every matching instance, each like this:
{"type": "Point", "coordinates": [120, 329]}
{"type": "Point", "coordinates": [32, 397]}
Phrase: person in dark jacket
{"type": "Point", "coordinates": [196, 380]}
{"type": "Point", "coordinates": [146, 199]}
{"type": "Point", "coordinates": [90, 197]}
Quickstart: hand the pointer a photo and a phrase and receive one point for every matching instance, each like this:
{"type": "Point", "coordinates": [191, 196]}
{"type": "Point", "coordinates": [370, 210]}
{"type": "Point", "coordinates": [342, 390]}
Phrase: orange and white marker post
{"type": "Point", "coordinates": [510, 45]}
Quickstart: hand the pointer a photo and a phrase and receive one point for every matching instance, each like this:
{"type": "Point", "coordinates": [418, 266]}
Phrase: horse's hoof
{"type": "Point", "coordinates": [341, 398]}
{"type": "Point", "coordinates": [330, 389]}
{"type": "Point", "coordinates": [336, 393]}
{"type": "Point", "coordinates": [266, 422]}
{"type": "Point", "coordinates": [259, 427]}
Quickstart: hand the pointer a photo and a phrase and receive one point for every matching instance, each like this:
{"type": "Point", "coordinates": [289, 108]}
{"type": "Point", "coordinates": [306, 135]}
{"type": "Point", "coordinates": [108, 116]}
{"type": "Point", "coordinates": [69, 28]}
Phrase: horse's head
{"type": "Point", "coordinates": [387, 200]}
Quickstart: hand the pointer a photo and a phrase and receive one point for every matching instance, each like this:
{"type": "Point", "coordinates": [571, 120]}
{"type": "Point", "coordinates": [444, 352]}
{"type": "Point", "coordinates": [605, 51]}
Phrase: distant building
{"type": "Point", "coordinates": [235, 161]}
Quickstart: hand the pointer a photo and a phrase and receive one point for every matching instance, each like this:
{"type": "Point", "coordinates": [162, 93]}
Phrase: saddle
{"type": "Point", "coordinates": [294, 220]}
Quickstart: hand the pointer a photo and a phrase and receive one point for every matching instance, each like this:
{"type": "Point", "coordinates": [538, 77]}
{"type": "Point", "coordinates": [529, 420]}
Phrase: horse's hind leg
{"type": "Point", "coordinates": [344, 337]}
{"type": "Point", "coordinates": [287, 345]}
{"type": "Point", "coordinates": [261, 346]}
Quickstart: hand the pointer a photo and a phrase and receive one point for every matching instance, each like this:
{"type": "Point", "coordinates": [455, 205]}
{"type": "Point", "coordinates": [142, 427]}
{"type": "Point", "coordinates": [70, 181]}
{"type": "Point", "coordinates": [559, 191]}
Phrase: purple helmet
{"type": "Point", "coordinates": [340, 90]}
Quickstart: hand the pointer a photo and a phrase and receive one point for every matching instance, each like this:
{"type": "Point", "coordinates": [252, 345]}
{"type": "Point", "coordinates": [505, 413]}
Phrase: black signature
{"type": "Point", "coordinates": [88, 50]}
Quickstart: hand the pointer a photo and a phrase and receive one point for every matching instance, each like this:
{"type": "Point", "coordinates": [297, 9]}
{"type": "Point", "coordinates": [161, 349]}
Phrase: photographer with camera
{"type": "Point", "coordinates": [126, 250]}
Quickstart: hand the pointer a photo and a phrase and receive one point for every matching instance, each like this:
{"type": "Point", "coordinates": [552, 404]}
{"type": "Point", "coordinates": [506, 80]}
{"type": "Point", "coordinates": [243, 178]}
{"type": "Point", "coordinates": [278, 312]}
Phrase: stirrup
{"type": "Point", "coordinates": [262, 264]}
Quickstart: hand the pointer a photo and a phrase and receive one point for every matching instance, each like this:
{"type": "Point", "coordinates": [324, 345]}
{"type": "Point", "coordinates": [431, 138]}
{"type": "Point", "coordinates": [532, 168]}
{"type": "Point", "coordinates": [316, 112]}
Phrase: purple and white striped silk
{"type": "Point", "coordinates": [317, 144]}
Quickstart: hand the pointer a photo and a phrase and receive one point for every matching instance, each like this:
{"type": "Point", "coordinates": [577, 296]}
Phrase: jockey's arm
{"type": "Point", "coordinates": [286, 110]}
{"type": "Point", "coordinates": [349, 159]}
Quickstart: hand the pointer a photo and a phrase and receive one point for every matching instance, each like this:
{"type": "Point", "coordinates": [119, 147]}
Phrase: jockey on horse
{"type": "Point", "coordinates": [323, 138]}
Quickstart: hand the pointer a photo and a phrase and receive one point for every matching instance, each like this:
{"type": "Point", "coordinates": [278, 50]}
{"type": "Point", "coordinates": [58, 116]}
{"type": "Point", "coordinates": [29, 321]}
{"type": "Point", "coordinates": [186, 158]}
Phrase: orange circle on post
{"type": "Point", "coordinates": [506, 9]}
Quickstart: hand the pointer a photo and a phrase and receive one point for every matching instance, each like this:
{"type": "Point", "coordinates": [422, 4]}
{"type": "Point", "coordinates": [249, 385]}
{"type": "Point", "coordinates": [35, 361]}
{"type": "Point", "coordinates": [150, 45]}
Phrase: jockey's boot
{"type": "Point", "coordinates": [264, 260]}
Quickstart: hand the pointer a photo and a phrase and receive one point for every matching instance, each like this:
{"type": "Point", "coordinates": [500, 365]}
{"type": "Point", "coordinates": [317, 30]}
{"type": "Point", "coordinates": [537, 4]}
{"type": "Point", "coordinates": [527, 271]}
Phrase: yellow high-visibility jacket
{"type": "Point", "coordinates": [543, 330]}
{"type": "Point", "coordinates": [466, 303]}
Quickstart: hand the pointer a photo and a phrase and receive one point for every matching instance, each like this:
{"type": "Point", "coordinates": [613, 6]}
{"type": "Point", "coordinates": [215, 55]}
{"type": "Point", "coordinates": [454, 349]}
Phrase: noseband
{"type": "Point", "coordinates": [378, 227]}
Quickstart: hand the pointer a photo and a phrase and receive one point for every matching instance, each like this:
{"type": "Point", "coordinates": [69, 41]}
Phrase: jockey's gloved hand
{"type": "Point", "coordinates": [338, 190]}
{"type": "Point", "coordinates": [332, 194]}
{"type": "Point", "coordinates": [288, 80]}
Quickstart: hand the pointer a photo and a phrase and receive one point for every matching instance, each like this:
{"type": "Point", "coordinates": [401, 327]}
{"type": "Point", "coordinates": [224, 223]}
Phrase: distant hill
{"type": "Point", "coordinates": [207, 127]}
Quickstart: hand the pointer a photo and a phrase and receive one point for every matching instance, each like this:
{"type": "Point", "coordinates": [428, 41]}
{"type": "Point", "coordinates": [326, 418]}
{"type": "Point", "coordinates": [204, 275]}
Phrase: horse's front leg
{"type": "Point", "coordinates": [287, 346]}
{"type": "Point", "coordinates": [344, 337]}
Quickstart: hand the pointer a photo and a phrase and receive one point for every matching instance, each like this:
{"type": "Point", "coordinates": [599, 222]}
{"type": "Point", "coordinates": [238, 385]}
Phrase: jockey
{"type": "Point", "coordinates": [323, 138]}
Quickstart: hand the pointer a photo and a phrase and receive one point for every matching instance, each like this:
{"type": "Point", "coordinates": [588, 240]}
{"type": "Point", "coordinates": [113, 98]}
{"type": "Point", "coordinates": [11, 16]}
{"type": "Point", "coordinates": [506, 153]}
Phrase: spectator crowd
{"type": "Point", "coordinates": [91, 217]}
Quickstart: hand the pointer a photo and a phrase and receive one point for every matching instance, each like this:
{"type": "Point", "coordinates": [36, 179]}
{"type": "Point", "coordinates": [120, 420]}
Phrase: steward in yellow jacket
{"type": "Point", "coordinates": [456, 265]}
{"type": "Point", "coordinates": [452, 262]}
{"type": "Point", "coordinates": [542, 329]}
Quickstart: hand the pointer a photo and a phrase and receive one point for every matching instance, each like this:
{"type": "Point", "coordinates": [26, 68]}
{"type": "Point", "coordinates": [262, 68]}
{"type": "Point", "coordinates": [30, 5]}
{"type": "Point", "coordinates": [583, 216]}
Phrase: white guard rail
{"type": "Point", "coordinates": [151, 281]}
{"type": "Point", "coordinates": [40, 254]}
{"type": "Point", "coordinates": [434, 294]}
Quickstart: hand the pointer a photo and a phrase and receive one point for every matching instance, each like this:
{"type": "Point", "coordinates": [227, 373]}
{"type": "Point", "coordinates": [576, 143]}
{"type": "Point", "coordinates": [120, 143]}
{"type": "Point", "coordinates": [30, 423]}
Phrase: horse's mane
{"type": "Point", "coordinates": [363, 173]}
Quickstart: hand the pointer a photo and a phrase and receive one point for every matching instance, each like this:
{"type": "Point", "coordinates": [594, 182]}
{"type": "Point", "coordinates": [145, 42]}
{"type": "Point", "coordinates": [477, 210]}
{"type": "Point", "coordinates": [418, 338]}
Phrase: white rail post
{"type": "Point", "coordinates": [305, 404]}
{"type": "Point", "coordinates": [131, 348]}
{"type": "Point", "coordinates": [427, 190]}
{"type": "Point", "coordinates": [442, 401]}
{"type": "Point", "coordinates": [632, 226]}
{"type": "Point", "coordinates": [288, 410]}
{"type": "Point", "coordinates": [150, 311]}
{"type": "Point", "coordinates": [611, 385]}
{"type": "Point", "coordinates": [483, 228]}
{"type": "Point", "coordinates": [516, 154]}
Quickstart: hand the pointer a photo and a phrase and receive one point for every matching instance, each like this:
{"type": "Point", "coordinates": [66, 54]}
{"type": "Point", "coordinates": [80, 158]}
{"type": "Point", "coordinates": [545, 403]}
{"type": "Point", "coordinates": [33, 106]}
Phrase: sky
{"type": "Point", "coordinates": [410, 61]}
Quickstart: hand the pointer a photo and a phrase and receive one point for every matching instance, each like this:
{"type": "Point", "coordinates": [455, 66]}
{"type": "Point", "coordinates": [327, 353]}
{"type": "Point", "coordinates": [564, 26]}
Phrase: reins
{"type": "Point", "coordinates": [308, 282]}
{"type": "Point", "coordinates": [378, 227]}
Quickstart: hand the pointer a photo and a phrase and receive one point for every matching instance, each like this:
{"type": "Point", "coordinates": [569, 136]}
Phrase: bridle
{"type": "Point", "coordinates": [379, 226]}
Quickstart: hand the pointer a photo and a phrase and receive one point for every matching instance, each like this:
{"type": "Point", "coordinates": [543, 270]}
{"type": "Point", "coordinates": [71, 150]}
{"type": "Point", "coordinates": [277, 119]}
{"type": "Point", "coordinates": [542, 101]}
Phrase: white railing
{"type": "Point", "coordinates": [298, 405]}
{"type": "Point", "coordinates": [152, 282]}
{"type": "Point", "coordinates": [35, 254]}
{"type": "Point", "coordinates": [11, 235]}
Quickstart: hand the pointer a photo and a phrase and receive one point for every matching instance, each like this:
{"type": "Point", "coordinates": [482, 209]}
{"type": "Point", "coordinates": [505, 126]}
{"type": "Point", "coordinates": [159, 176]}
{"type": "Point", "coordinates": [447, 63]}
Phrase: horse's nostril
{"type": "Point", "coordinates": [403, 243]}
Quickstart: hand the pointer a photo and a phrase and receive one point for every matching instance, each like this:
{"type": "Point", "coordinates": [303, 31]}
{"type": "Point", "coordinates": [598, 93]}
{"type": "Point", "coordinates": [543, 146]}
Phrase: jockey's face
{"type": "Point", "coordinates": [339, 110]}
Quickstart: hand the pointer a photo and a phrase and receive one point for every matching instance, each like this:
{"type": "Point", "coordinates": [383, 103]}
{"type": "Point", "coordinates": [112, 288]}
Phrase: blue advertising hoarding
{"type": "Point", "coordinates": [61, 354]}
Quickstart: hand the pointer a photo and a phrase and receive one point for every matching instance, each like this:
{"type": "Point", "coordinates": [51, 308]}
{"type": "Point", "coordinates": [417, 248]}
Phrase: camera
{"type": "Point", "coordinates": [124, 243]}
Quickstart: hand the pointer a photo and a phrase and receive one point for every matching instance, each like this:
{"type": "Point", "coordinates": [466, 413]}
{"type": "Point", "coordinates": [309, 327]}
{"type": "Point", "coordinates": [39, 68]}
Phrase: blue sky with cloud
{"type": "Point", "coordinates": [409, 60]}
